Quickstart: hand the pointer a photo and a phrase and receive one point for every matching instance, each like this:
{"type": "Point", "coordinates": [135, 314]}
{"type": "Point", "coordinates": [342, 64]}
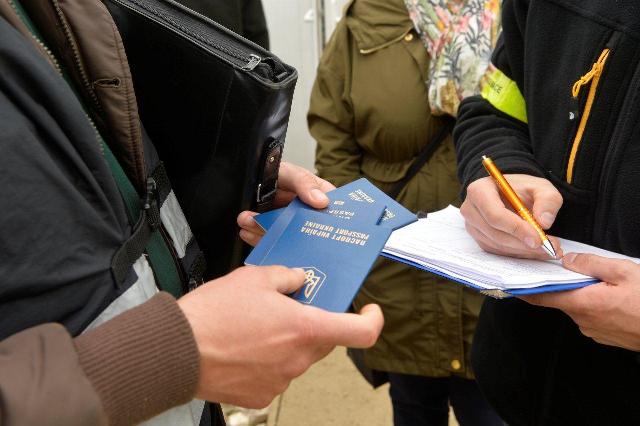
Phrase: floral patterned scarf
{"type": "Point", "coordinates": [459, 36]}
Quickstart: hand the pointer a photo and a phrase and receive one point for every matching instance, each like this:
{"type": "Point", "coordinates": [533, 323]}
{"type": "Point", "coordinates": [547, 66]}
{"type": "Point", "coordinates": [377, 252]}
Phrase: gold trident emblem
{"type": "Point", "coordinates": [311, 280]}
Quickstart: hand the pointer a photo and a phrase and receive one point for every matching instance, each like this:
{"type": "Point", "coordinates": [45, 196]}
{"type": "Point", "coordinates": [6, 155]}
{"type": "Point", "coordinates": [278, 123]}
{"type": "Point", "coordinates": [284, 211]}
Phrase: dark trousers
{"type": "Point", "coordinates": [419, 400]}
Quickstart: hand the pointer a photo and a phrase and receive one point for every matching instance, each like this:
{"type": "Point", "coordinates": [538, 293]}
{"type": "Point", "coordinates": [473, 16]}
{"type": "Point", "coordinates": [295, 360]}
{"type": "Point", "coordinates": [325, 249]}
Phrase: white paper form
{"type": "Point", "coordinates": [441, 242]}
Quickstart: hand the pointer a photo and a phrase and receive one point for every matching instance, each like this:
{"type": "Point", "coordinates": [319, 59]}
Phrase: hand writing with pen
{"type": "Point", "coordinates": [609, 311]}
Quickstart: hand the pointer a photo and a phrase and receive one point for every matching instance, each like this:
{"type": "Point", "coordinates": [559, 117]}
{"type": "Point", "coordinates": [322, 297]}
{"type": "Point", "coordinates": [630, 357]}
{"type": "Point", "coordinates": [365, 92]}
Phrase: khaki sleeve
{"type": "Point", "coordinates": [330, 117]}
{"type": "Point", "coordinates": [41, 381]}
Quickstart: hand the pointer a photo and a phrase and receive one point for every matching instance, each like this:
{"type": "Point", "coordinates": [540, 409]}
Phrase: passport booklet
{"type": "Point", "coordinates": [355, 195]}
{"type": "Point", "coordinates": [336, 246]}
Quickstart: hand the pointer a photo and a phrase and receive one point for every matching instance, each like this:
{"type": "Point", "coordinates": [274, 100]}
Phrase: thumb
{"type": "Point", "coordinates": [309, 187]}
{"type": "Point", "coordinates": [351, 330]}
{"type": "Point", "coordinates": [546, 204]}
{"type": "Point", "coordinates": [282, 279]}
{"type": "Point", "coordinates": [613, 271]}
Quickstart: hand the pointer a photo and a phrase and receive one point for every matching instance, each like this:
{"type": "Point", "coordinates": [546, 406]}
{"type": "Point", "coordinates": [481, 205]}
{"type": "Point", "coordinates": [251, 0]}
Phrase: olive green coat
{"type": "Point", "coordinates": [369, 114]}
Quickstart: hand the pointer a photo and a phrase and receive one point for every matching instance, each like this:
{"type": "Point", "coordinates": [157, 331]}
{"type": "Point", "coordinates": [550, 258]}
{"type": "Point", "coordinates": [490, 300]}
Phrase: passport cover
{"type": "Point", "coordinates": [350, 196]}
{"type": "Point", "coordinates": [336, 255]}
{"type": "Point", "coordinates": [362, 191]}
{"type": "Point", "coordinates": [265, 220]}
{"type": "Point", "coordinates": [358, 212]}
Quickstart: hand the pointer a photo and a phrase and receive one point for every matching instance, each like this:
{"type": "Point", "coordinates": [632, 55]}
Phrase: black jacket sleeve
{"type": "Point", "coordinates": [484, 130]}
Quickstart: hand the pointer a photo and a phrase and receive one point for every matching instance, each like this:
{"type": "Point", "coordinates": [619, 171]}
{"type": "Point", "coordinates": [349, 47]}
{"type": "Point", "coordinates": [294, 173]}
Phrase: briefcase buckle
{"type": "Point", "coordinates": [262, 198]}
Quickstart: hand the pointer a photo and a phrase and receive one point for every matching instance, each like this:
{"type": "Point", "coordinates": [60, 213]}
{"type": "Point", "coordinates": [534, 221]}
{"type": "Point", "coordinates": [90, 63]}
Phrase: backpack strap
{"type": "Point", "coordinates": [424, 156]}
{"type": "Point", "coordinates": [146, 234]}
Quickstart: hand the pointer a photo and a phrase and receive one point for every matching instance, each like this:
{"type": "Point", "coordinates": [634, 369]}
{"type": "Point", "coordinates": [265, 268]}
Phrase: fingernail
{"type": "Point", "coordinates": [318, 195]}
{"type": "Point", "coordinates": [569, 258]}
{"type": "Point", "coordinates": [530, 242]}
{"type": "Point", "coordinates": [546, 220]}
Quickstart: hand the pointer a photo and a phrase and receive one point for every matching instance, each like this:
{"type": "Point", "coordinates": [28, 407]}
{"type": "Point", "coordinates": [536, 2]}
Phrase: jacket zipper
{"type": "Point", "coordinates": [593, 77]}
{"type": "Point", "coordinates": [76, 55]}
{"type": "Point", "coordinates": [58, 68]}
{"type": "Point", "coordinates": [46, 49]}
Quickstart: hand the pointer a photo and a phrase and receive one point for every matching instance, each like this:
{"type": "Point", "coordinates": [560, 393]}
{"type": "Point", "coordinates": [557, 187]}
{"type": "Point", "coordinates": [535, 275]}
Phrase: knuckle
{"type": "Point", "coordinates": [291, 276]}
{"type": "Point", "coordinates": [464, 209]}
{"type": "Point", "coordinates": [472, 190]}
{"type": "Point", "coordinates": [470, 229]}
{"type": "Point", "coordinates": [493, 217]}
{"type": "Point", "coordinates": [276, 271]}
{"type": "Point", "coordinates": [581, 260]}
{"type": "Point", "coordinates": [242, 272]}
{"type": "Point", "coordinates": [370, 337]}
{"type": "Point", "coordinates": [484, 246]}
{"type": "Point", "coordinates": [296, 367]}
{"type": "Point", "coordinates": [307, 178]}
{"type": "Point", "coordinates": [501, 247]}
{"type": "Point", "coordinates": [586, 331]}
{"type": "Point", "coordinates": [262, 401]}
{"type": "Point", "coordinates": [269, 275]}
{"type": "Point", "coordinates": [279, 389]}
{"type": "Point", "coordinates": [306, 332]}
{"type": "Point", "coordinates": [624, 269]}
{"type": "Point", "coordinates": [556, 197]}
{"type": "Point", "coordinates": [475, 190]}
{"type": "Point", "coordinates": [515, 228]}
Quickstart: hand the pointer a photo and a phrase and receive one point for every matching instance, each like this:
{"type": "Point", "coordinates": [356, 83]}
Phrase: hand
{"type": "Point", "coordinates": [292, 181]}
{"type": "Point", "coordinates": [497, 229]}
{"type": "Point", "coordinates": [608, 312]}
{"type": "Point", "coordinates": [253, 340]}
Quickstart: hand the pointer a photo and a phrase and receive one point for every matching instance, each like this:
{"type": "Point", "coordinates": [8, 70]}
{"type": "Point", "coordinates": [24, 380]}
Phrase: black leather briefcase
{"type": "Point", "coordinates": [216, 106]}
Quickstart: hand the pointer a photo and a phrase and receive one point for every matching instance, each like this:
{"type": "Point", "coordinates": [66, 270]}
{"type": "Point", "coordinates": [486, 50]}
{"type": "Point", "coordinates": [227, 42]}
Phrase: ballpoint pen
{"type": "Point", "coordinates": [516, 203]}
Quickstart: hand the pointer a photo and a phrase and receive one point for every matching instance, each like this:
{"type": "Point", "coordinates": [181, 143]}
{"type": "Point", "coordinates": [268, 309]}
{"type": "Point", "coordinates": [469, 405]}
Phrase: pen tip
{"type": "Point", "coordinates": [548, 247]}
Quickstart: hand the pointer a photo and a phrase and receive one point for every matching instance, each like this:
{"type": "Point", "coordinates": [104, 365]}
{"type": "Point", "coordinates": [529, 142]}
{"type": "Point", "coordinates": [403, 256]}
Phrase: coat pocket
{"type": "Point", "coordinates": [577, 213]}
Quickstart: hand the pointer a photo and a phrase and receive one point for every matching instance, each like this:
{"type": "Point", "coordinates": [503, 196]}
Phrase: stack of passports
{"type": "Point", "coordinates": [336, 246]}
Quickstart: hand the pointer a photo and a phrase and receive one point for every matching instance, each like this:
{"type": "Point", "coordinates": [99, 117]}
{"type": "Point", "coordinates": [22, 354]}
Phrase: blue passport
{"type": "Point", "coordinates": [356, 213]}
{"type": "Point", "coordinates": [362, 191]}
{"type": "Point", "coordinates": [336, 253]}
{"type": "Point", "coordinates": [352, 197]}
{"type": "Point", "coordinates": [266, 219]}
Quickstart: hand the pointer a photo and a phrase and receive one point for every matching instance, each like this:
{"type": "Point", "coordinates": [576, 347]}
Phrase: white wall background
{"type": "Point", "coordinates": [295, 38]}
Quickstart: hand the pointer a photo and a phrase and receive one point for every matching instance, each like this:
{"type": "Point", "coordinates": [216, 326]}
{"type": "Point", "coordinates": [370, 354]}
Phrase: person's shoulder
{"type": "Point", "coordinates": [337, 51]}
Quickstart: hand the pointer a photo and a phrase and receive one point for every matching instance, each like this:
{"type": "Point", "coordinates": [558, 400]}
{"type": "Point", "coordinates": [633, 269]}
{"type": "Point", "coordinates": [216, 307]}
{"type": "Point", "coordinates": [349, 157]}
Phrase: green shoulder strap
{"type": "Point", "coordinates": [160, 256]}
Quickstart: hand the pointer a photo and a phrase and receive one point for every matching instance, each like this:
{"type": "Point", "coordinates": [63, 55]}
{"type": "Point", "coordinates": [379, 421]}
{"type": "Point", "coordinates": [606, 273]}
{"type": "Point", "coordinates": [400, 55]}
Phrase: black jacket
{"type": "Point", "coordinates": [63, 219]}
{"type": "Point", "coordinates": [244, 17]}
{"type": "Point", "coordinates": [533, 363]}
{"type": "Point", "coordinates": [62, 215]}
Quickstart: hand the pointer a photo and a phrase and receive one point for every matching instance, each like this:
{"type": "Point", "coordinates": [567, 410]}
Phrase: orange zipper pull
{"type": "Point", "coordinates": [595, 70]}
{"type": "Point", "coordinates": [593, 77]}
